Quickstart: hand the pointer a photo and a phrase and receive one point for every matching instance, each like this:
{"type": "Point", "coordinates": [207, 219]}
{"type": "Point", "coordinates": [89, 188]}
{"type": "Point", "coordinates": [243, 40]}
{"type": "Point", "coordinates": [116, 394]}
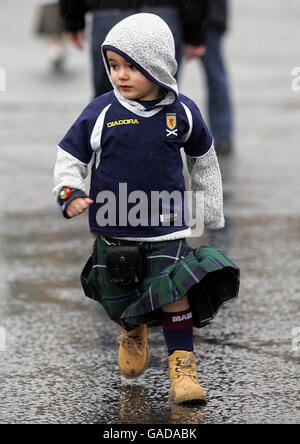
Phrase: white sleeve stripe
{"type": "Point", "coordinates": [97, 130]}
{"type": "Point", "coordinates": [66, 153]}
{"type": "Point", "coordinates": [189, 116]}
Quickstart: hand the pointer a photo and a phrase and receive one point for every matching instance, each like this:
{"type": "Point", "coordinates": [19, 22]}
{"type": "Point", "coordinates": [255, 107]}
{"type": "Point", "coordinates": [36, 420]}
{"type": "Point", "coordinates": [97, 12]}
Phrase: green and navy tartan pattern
{"type": "Point", "coordinates": [173, 269]}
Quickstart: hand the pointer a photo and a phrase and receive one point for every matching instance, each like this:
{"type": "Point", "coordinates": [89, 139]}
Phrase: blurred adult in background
{"type": "Point", "coordinates": [219, 96]}
{"type": "Point", "coordinates": [50, 24]}
{"type": "Point", "coordinates": [199, 25]}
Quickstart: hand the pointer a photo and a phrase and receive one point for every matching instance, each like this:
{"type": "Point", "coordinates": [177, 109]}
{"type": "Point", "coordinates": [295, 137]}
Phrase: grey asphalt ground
{"type": "Point", "coordinates": [58, 356]}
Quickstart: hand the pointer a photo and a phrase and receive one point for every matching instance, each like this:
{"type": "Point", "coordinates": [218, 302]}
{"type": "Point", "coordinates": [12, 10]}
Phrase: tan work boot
{"type": "Point", "coordinates": [185, 385]}
{"type": "Point", "coordinates": [133, 351]}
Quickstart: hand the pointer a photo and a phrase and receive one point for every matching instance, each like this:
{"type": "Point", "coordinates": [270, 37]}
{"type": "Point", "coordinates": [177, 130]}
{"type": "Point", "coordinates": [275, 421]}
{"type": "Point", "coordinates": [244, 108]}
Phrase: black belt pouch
{"type": "Point", "coordinates": [125, 265]}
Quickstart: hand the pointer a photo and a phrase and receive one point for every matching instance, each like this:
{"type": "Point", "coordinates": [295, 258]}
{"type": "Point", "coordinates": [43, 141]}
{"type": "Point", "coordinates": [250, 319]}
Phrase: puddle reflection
{"type": "Point", "coordinates": [137, 404]}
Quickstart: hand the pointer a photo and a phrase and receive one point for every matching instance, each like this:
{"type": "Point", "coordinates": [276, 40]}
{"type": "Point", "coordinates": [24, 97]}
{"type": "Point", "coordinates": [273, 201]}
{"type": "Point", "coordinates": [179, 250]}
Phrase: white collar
{"type": "Point", "coordinates": [138, 109]}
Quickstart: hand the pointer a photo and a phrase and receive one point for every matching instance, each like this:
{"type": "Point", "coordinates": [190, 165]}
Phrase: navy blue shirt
{"type": "Point", "coordinates": [142, 151]}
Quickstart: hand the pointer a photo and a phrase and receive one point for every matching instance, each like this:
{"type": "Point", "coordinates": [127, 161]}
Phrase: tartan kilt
{"type": "Point", "coordinates": [173, 269]}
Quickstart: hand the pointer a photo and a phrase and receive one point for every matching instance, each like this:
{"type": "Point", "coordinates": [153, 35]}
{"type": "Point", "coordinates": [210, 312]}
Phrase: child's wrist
{"type": "Point", "coordinates": [65, 197]}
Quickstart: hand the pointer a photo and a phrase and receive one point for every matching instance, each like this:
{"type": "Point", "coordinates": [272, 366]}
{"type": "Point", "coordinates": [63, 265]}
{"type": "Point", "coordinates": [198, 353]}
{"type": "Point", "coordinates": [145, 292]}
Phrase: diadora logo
{"type": "Point", "coordinates": [171, 121]}
{"type": "Point", "coordinates": [123, 122]}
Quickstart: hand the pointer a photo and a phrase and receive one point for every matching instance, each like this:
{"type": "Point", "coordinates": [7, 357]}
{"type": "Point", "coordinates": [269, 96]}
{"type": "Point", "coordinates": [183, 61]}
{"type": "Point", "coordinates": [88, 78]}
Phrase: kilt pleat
{"type": "Point", "coordinates": [174, 269]}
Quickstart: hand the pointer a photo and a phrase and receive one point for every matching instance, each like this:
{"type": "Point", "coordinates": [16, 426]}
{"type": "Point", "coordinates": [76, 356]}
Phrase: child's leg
{"type": "Point", "coordinates": [181, 305]}
{"type": "Point", "coordinates": [178, 333]}
{"type": "Point", "coordinates": [178, 325]}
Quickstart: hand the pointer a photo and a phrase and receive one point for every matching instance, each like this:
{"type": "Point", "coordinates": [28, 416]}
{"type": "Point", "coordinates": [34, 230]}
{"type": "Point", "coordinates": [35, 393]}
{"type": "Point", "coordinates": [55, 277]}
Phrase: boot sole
{"type": "Point", "coordinates": [196, 399]}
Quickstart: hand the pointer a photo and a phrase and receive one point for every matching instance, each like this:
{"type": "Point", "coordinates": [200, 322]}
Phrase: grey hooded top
{"type": "Point", "coordinates": [146, 41]}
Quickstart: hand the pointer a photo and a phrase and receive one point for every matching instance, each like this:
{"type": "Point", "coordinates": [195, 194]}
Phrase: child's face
{"type": "Point", "coordinates": [130, 82]}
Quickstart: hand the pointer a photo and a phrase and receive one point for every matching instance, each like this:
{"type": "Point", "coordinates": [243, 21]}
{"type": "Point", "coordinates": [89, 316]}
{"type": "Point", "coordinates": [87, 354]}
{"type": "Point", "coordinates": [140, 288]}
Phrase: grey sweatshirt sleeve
{"type": "Point", "coordinates": [206, 176]}
{"type": "Point", "coordinates": [69, 172]}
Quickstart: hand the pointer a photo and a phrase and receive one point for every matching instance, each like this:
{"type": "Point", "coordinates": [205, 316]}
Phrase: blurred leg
{"type": "Point", "coordinates": [219, 102]}
{"type": "Point", "coordinates": [57, 51]}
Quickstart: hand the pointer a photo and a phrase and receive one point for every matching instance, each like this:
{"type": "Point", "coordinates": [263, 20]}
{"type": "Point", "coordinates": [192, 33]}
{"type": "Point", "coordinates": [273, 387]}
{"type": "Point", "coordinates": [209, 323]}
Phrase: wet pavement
{"type": "Point", "coordinates": [58, 359]}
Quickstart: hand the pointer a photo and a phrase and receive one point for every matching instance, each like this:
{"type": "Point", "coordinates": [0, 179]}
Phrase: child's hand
{"type": "Point", "coordinates": [78, 206]}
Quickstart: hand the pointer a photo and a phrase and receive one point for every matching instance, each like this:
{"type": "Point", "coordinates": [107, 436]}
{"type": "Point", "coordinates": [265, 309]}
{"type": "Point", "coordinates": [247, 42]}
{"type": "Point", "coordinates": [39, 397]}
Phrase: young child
{"type": "Point", "coordinates": [145, 274]}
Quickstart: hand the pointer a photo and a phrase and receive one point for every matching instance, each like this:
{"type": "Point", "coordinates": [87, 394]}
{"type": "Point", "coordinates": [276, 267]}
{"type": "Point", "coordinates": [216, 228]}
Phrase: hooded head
{"type": "Point", "coordinates": [145, 41]}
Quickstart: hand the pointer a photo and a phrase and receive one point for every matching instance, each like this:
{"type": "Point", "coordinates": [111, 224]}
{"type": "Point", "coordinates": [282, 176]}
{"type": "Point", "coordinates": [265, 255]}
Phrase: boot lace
{"type": "Point", "coordinates": [130, 343]}
{"type": "Point", "coordinates": [184, 366]}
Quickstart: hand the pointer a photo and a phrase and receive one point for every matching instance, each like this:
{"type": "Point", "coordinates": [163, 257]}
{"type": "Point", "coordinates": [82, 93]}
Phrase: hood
{"type": "Point", "coordinates": [146, 41]}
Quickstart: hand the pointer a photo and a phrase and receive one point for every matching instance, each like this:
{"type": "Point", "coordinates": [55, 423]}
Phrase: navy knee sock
{"type": "Point", "coordinates": [178, 331]}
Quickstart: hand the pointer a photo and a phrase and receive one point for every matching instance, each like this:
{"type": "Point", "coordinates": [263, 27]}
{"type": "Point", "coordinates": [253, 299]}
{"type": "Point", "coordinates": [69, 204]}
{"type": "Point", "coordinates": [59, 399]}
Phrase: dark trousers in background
{"type": "Point", "coordinates": [218, 101]}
